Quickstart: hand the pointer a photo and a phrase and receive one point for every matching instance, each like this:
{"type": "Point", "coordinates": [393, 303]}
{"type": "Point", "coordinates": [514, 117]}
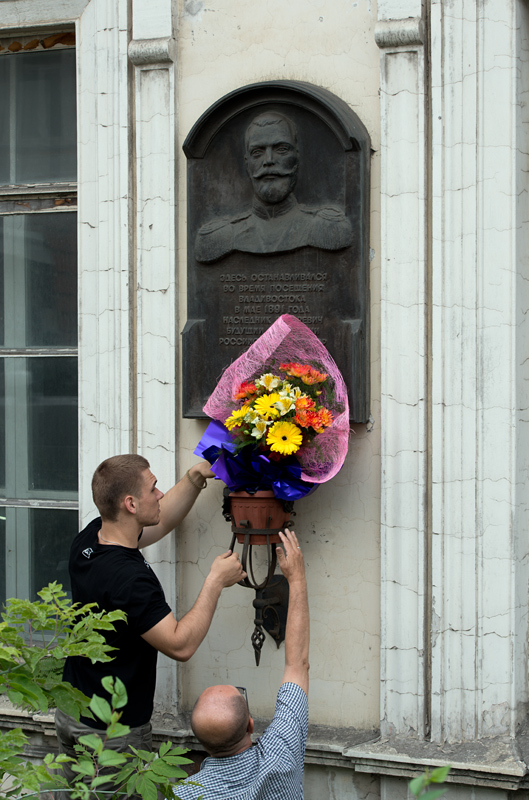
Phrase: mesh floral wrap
{"type": "Point", "coordinates": [289, 340]}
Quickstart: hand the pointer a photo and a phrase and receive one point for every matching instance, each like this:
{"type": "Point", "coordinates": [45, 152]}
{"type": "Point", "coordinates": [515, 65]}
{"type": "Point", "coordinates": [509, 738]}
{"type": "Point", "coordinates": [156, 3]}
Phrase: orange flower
{"type": "Point", "coordinates": [319, 420]}
{"type": "Point", "coordinates": [246, 389]}
{"type": "Point", "coordinates": [305, 402]}
{"type": "Point", "coordinates": [302, 417]}
{"type": "Point", "coordinates": [313, 376]}
{"type": "Point", "coordinates": [295, 370]}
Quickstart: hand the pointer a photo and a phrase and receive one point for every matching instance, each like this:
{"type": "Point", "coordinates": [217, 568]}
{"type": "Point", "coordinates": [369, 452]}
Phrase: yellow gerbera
{"type": "Point", "coordinates": [284, 438]}
{"type": "Point", "coordinates": [236, 418]}
{"type": "Point", "coordinates": [265, 405]}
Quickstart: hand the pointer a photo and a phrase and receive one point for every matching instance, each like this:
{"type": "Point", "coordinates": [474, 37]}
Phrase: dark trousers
{"type": "Point", "coordinates": [68, 733]}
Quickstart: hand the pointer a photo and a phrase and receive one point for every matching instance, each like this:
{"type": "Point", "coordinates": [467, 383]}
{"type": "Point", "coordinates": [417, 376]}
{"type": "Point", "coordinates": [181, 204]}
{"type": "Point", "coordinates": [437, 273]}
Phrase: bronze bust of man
{"type": "Point", "coordinates": [276, 222]}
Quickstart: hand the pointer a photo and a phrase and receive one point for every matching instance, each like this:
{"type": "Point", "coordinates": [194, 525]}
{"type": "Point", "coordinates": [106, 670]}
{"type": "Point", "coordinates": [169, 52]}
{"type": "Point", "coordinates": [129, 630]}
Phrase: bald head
{"type": "Point", "coordinates": [221, 721]}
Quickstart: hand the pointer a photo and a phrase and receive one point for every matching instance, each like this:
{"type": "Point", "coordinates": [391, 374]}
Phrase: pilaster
{"type": "Point", "coordinates": [152, 53]}
{"type": "Point", "coordinates": [404, 370]}
{"type": "Point", "coordinates": [479, 444]}
{"type": "Point", "coordinates": [105, 409]}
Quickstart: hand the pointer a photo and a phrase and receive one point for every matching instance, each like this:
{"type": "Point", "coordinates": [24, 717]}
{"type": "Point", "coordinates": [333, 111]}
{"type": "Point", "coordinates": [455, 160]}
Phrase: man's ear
{"type": "Point", "coordinates": [129, 503]}
{"type": "Point", "coordinates": [251, 726]}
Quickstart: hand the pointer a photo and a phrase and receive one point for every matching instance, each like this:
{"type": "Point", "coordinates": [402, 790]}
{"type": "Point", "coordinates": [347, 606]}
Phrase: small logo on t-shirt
{"type": "Point", "coordinates": [88, 552]}
{"type": "Point", "coordinates": [146, 564]}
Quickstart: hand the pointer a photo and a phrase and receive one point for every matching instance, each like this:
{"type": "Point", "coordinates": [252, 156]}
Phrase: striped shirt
{"type": "Point", "coordinates": [270, 770]}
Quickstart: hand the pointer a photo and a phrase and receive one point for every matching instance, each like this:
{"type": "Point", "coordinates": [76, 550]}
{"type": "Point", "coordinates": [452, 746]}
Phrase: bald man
{"type": "Point", "coordinates": [221, 720]}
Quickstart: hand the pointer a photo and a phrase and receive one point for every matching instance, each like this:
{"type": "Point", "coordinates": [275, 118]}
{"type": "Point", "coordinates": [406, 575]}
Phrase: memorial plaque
{"type": "Point", "coordinates": [278, 215]}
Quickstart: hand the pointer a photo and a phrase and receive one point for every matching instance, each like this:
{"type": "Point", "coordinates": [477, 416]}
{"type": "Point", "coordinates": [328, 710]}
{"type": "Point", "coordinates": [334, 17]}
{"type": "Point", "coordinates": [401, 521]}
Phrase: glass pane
{"type": "Point", "coordinates": [51, 535]}
{"type": "Point", "coordinates": [45, 139]}
{"type": "Point", "coordinates": [51, 280]}
{"type": "Point", "coordinates": [2, 556]}
{"type": "Point", "coordinates": [52, 424]}
{"type": "Point", "coordinates": [2, 428]}
{"type": "Point", "coordinates": [4, 127]}
{"type": "Point", "coordinates": [2, 325]}
{"type": "Point", "coordinates": [38, 280]}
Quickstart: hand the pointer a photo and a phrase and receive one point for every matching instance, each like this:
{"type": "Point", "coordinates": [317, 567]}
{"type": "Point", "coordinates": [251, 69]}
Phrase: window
{"type": "Point", "coordinates": [38, 312]}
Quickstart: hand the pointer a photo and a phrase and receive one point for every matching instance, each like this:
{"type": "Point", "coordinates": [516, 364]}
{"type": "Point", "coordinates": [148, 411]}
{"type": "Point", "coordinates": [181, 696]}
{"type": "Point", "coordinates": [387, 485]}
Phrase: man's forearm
{"type": "Point", "coordinates": [180, 640]}
{"type": "Point", "coordinates": [297, 635]}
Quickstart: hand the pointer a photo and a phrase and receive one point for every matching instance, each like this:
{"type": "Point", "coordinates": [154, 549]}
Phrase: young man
{"type": "Point", "coordinates": [221, 720]}
{"type": "Point", "coordinates": [107, 567]}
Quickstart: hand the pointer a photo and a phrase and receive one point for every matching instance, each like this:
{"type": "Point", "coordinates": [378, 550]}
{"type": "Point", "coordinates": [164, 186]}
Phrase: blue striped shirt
{"type": "Point", "coordinates": [270, 770]}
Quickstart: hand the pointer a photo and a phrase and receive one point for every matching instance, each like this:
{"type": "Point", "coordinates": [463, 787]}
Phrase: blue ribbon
{"type": "Point", "coordinates": [249, 469]}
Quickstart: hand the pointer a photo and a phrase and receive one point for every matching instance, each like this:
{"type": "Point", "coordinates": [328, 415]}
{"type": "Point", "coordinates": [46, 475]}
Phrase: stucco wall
{"type": "Point", "coordinates": [332, 45]}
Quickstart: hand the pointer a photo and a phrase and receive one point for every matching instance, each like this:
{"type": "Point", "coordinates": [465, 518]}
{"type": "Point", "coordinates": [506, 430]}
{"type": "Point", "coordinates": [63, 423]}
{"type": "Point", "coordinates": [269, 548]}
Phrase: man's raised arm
{"type": "Point", "coordinates": [180, 639]}
{"type": "Point", "coordinates": [297, 634]}
{"type": "Point", "coordinates": [177, 502]}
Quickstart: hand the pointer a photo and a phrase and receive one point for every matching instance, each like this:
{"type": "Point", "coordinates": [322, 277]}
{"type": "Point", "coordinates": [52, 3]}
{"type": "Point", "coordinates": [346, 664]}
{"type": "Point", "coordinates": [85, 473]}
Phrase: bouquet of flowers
{"type": "Point", "coordinates": [280, 415]}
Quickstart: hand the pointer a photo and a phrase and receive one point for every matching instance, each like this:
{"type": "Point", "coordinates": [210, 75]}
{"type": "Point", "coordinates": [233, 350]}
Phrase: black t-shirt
{"type": "Point", "coordinates": [117, 577]}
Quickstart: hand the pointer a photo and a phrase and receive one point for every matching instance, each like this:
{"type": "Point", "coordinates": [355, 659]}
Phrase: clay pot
{"type": "Point", "coordinates": [261, 512]}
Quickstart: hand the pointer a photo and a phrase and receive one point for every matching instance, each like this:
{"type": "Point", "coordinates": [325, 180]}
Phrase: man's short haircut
{"type": "Point", "coordinates": [115, 478]}
{"type": "Point", "coordinates": [237, 717]}
{"type": "Point", "coordinates": [271, 118]}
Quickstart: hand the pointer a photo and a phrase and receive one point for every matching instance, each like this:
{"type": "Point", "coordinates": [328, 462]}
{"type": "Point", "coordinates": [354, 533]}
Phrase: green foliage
{"type": "Point", "coordinates": [35, 639]}
{"type": "Point", "coordinates": [419, 786]}
{"type": "Point", "coordinates": [99, 769]}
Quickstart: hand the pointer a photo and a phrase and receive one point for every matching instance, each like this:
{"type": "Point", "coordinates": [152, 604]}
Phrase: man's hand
{"type": "Point", "coordinates": [290, 558]}
{"type": "Point", "coordinates": [227, 569]}
{"type": "Point", "coordinates": [202, 470]}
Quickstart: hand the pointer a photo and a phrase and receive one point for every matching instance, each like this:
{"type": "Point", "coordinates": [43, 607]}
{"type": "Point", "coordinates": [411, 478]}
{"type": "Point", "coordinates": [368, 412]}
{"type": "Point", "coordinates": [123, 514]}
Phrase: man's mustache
{"type": "Point", "coordinates": [276, 173]}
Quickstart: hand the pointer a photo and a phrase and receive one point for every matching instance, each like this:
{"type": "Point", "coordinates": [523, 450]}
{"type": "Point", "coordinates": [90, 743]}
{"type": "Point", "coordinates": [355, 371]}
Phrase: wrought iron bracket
{"type": "Point", "coordinates": [271, 609]}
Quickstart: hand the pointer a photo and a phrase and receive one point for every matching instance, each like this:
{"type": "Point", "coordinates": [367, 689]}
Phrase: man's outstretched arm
{"type": "Point", "coordinates": [181, 639]}
{"type": "Point", "coordinates": [177, 502]}
{"type": "Point", "coordinates": [297, 634]}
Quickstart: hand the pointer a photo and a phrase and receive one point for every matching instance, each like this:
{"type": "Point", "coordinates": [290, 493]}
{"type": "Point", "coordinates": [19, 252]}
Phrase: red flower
{"type": "Point", "coordinates": [246, 389]}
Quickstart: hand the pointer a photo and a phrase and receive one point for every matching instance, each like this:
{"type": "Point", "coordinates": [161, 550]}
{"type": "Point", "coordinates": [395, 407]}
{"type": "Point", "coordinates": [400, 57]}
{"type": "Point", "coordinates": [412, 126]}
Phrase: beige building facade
{"type": "Point", "coordinates": [417, 555]}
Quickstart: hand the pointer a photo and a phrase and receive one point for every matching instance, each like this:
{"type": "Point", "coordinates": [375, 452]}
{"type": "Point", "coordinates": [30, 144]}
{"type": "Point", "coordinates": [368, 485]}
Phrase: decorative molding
{"type": "Point", "coordinates": [400, 32]}
{"type": "Point", "coordinates": [152, 51]}
{"type": "Point", "coordinates": [495, 763]}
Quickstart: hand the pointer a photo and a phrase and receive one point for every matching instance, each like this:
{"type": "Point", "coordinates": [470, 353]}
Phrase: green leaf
{"type": "Point", "coordinates": [432, 795]}
{"type": "Point", "coordinates": [110, 758]}
{"type": "Point", "coordinates": [417, 785]}
{"type": "Point", "coordinates": [177, 759]}
{"type": "Point", "coordinates": [69, 700]}
{"type": "Point", "coordinates": [440, 774]}
{"type": "Point", "coordinates": [84, 767]}
{"type": "Point", "coordinates": [131, 784]}
{"type": "Point", "coordinates": [93, 741]}
{"type": "Point", "coordinates": [159, 767]}
{"type": "Point", "coordinates": [116, 688]}
{"type": "Point", "coordinates": [146, 788]}
{"type": "Point", "coordinates": [99, 781]}
{"type": "Point", "coordinates": [116, 729]}
{"type": "Point", "coordinates": [101, 709]}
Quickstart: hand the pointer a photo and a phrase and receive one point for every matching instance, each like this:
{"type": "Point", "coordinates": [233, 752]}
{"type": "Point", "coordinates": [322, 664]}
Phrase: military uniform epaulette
{"type": "Point", "coordinates": [330, 228]}
{"type": "Point", "coordinates": [215, 238]}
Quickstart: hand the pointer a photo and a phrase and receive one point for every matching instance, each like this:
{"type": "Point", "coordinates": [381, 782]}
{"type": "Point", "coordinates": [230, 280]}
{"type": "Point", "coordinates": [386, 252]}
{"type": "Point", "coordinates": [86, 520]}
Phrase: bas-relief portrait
{"type": "Point", "coordinates": [276, 222]}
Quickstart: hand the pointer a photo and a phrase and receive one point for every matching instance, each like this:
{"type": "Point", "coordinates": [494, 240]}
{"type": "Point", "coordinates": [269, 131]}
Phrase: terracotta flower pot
{"type": "Point", "coordinates": [259, 512]}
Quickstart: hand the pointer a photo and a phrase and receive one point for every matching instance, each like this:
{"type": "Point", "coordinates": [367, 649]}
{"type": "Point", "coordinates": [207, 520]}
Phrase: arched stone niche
{"type": "Point", "coordinates": [252, 256]}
